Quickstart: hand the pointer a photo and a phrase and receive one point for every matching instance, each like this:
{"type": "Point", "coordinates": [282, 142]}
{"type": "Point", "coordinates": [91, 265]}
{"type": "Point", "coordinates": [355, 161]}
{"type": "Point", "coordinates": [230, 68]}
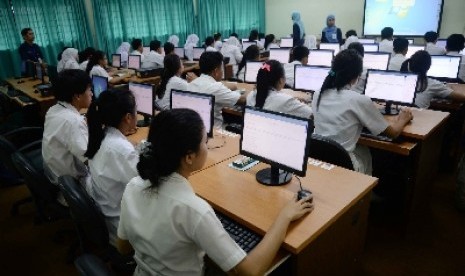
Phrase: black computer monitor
{"type": "Point", "coordinates": [370, 47]}
{"type": "Point", "coordinates": [134, 62]}
{"type": "Point", "coordinates": [442, 42]}
{"type": "Point", "coordinates": [145, 96]}
{"type": "Point", "coordinates": [179, 51]}
{"type": "Point", "coordinates": [201, 103]}
{"type": "Point", "coordinates": [376, 60]}
{"type": "Point", "coordinates": [280, 54]}
{"type": "Point", "coordinates": [99, 84]}
{"type": "Point", "coordinates": [309, 78]}
{"type": "Point", "coordinates": [445, 67]}
{"type": "Point", "coordinates": [286, 42]}
{"type": "Point", "coordinates": [197, 52]}
{"type": "Point", "coordinates": [251, 71]}
{"type": "Point", "coordinates": [278, 139]}
{"type": "Point", "coordinates": [247, 44]}
{"type": "Point", "coordinates": [412, 49]}
{"type": "Point", "coordinates": [116, 60]}
{"type": "Point", "coordinates": [391, 87]}
{"type": "Point", "coordinates": [321, 57]}
{"type": "Point", "coordinates": [331, 46]}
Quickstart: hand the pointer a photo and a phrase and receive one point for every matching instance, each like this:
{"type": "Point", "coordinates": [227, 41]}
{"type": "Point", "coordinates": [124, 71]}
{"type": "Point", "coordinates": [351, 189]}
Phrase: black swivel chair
{"type": "Point", "coordinates": [91, 265]}
{"type": "Point", "coordinates": [327, 150]}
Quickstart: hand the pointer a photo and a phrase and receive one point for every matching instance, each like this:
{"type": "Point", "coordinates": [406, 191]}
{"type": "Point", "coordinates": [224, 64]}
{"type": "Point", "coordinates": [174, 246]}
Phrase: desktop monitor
{"type": "Point", "coordinates": [412, 49]}
{"type": "Point", "coordinates": [251, 71]}
{"type": "Point", "coordinates": [134, 62]}
{"type": "Point", "coordinates": [376, 60]}
{"type": "Point", "coordinates": [146, 51]}
{"type": "Point", "coordinates": [262, 41]}
{"type": "Point", "coordinates": [320, 57]}
{"type": "Point", "coordinates": [244, 40]}
{"type": "Point", "coordinates": [370, 47]}
{"type": "Point", "coordinates": [179, 51]}
{"type": "Point", "coordinates": [410, 41]}
{"type": "Point", "coordinates": [197, 52]}
{"type": "Point", "coordinates": [39, 72]}
{"type": "Point", "coordinates": [246, 44]}
{"type": "Point", "coordinates": [280, 54]}
{"type": "Point", "coordinates": [391, 87]}
{"type": "Point", "coordinates": [278, 139]}
{"type": "Point", "coordinates": [145, 96]}
{"type": "Point", "coordinates": [442, 42]}
{"type": "Point", "coordinates": [286, 42]}
{"type": "Point", "coordinates": [99, 84]}
{"type": "Point", "coordinates": [444, 66]}
{"type": "Point", "coordinates": [116, 60]}
{"type": "Point", "coordinates": [367, 40]}
{"type": "Point", "coordinates": [331, 46]}
{"type": "Point", "coordinates": [309, 78]}
{"type": "Point", "coordinates": [201, 103]}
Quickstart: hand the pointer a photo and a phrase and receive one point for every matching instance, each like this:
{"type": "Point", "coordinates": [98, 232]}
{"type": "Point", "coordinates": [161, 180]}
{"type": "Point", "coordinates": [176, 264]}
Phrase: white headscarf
{"type": "Point", "coordinates": [233, 41]}
{"type": "Point", "coordinates": [174, 39]}
{"type": "Point", "coordinates": [123, 49]}
{"type": "Point", "coordinates": [191, 41]}
{"type": "Point", "coordinates": [69, 59]}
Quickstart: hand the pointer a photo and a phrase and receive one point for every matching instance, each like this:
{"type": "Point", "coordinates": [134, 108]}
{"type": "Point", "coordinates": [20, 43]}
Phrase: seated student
{"type": "Point", "coordinates": [96, 66]}
{"type": "Point", "coordinates": [386, 40]}
{"type": "Point", "coordinates": [232, 49]}
{"type": "Point", "coordinates": [270, 42]}
{"type": "Point", "coordinates": [351, 36]}
{"type": "Point", "coordinates": [168, 226]}
{"type": "Point", "coordinates": [360, 85]}
{"type": "Point", "coordinates": [138, 49]}
{"type": "Point", "coordinates": [253, 36]}
{"type": "Point", "coordinates": [209, 43]}
{"type": "Point", "coordinates": [61, 53]}
{"type": "Point", "coordinates": [191, 42]}
{"type": "Point", "coordinates": [69, 60]}
{"type": "Point", "coordinates": [427, 88]}
{"type": "Point", "coordinates": [65, 131]}
{"type": "Point", "coordinates": [123, 50]}
{"type": "Point", "coordinates": [270, 80]}
{"type": "Point", "coordinates": [218, 44]}
{"type": "Point", "coordinates": [235, 35]}
{"type": "Point", "coordinates": [112, 158]}
{"type": "Point", "coordinates": [300, 56]}
{"type": "Point", "coordinates": [340, 113]}
{"type": "Point", "coordinates": [400, 50]}
{"type": "Point", "coordinates": [331, 33]}
{"type": "Point", "coordinates": [155, 58]}
{"type": "Point", "coordinates": [168, 48]}
{"type": "Point", "coordinates": [209, 82]}
{"type": "Point", "coordinates": [431, 38]}
{"type": "Point", "coordinates": [454, 45]}
{"type": "Point", "coordinates": [84, 57]}
{"type": "Point", "coordinates": [252, 53]}
{"type": "Point", "coordinates": [174, 39]}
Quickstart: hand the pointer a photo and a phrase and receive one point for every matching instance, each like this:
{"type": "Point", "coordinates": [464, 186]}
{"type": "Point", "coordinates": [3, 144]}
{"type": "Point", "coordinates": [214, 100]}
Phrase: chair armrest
{"type": "Point", "coordinates": [23, 136]}
{"type": "Point", "coordinates": [31, 146]}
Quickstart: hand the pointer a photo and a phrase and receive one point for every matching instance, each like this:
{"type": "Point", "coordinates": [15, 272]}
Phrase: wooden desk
{"type": "Point", "coordinates": [325, 242]}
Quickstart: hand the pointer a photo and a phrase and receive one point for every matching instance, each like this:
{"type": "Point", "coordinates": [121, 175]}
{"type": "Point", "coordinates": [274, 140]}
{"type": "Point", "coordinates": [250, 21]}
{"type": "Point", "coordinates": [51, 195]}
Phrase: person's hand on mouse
{"type": "Point", "coordinates": [295, 209]}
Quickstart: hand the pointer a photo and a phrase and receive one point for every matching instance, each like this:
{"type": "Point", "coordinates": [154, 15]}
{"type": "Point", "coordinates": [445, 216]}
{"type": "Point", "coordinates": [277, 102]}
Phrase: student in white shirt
{"type": "Point", "coordinates": [252, 53]}
{"type": "Point", "coordinates": [155, 58]}
{"type": "Point", "coordinates": [232, 49]}
{"type": "Point", "coordinates": [209, 82]}
{"type": "Point", "coordinates": [270, 42]}
{"type": "Point", "coordinates": [431, 38]}
{"type": "Point", "coordinates": [174, 39]}
{"type": "Point", "coordinates": [386, 40]}
{"type": "Point", "coordinates": [168, 48]}
{"type": "Point", "coordinates": [351, 36]}
{"type": "Point", "coordinates": [253, 36]}
{"type": "Point", "coordinates": [168, 226]}
{"type": "Point", "coordinates": [340, 113]}
{"type": "Point", "coordinates": [191, 42]}
{"type": "Point", "coordinates": [455, 45]}
{"type": "Point", "coordinates": [69, 60]}
{"type": "Point", "coordinates": [218, 44]}
{"type": "Point", "coordinates": [138, 49]}
{"type": "Point", "coordinates": [65, 131]}
{"type": "Point", "coordinates": [428, 88]}
{"type": "Point", "coordinates": [96, 66]}
{"type": "Point", "coordinates": [209, 42]}
{"type": "Point", "coordinates": [400, 50]}
{"type": "Point", "coordinates": [84, 57]}
{"type": "Point", "coordinates": [270, 80]}
{"type": "Point", "coordinates": [360, 85]}
{"type": "Point", "coordinates": [300, 56]}
{"type": "Point", "coordinates": [123, 50]}
{"type": "Point", "coordinates": [112, 158]}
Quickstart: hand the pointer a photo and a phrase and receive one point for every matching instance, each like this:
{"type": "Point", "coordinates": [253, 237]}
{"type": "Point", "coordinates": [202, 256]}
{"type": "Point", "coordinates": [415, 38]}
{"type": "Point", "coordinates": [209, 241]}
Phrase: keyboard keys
{"type": "Point", "coordinates": [244, 237]}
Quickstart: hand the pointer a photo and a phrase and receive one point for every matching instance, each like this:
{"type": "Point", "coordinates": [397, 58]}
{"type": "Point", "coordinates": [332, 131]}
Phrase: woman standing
{"type": "Point", "coordinates": [331, 33]}
{"type": "Point", "coordinates": [298, 29]}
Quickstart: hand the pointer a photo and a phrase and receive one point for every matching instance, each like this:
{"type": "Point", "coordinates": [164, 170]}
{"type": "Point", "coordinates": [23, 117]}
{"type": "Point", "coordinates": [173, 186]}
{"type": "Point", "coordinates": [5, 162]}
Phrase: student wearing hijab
{"type": "Point", "coordinates": [331, 34]}
{"type": "Point", "coordinates": [123, 50]}
{"type": "Point", "coordinates": [298, 29]}
{"type": "Point", "coordinates": [69, 59]}
{"type": "Point", "coordinates": [174, 39]}
{"type": "Point", "coordinates": [191, 42]}
{"type": "Point", "coordinates": [232, 49]}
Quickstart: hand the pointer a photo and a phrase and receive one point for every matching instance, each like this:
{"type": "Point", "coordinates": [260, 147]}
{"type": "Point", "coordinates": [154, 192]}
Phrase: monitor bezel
{"type": "Point", "coordinates": [252, 42]}
{"type": "Point", "coordinates": [445, 78]}
{"type": "Point", "coordinates": [93, 89]}
{"type": "Point", "coordinates": [416, 45]}
{"type": "Point", "coordinates": [193, 50]}
{"type": "Point", "coordinates": [320, 50]}
{"type": "Point", "coordinates": [282, 49]}
{"type": "Point", "coordinates": [303, 65]}
{"type": "Point", "coordinates": [140, 62]}
{"type": "Point", "coordinates": [330, 43]}
{"type": "Point", "coordinates": [286, 38]}
{"type": "Point", "coordinates": [120, 61]}
{"type": "Point", "coordinates": [245, 71]}
{"type": "Point", "coordinates": [371, 44]}
{"type": "Point", "coordinates": [378, 53]}
{"type": "Point", "coordinates": [367, 38]}
{"type": "Point", "coordinates": [153, 98]}
{"type": "Point", "coordinates": [183, 52]}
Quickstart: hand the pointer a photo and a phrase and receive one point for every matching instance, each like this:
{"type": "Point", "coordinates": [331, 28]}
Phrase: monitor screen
{"type": "Point", "coordinates": [412, 49]}
{"type": "Point", "coordinates": [331, 46]}
{"type": "Point", "coordinates": [146, 51]}
{"type": "Point", "coordinates": [262, 41]}
{"type": "Point", "coordinates": [201, 103]}
{"type": "Point", "coordinates": [99, 84]}
{"type": "Point", "coordinates": [144, 95]}
{"type": "Point", "coordinates": [286, 42]}
{"type": "Point", "coordinates": [378, 61]}
{"type": "Point", "coordinates": [309, 78]}
{"type": "Point", "coordinates": [251, 71]}
{"type": "Point", "coordinates": [246, 44]}
{"type": "Point", "coordinates": [281, 54]}
{"type": "Point", "coordinates": [367, 40]}
{"type": "Point", "coordinates": [370, 47]}
{"type": "Point", "coordinates": [275, 138]}
{"type": "Point", "coordinates": [179, 51]}
{"type": "Point", "coordinates": [444, 67]}
{"type": "Point", "coordinates": [320, 57]}
{"type": "Point", "coordinates": [198, 51]}
{"type": "Point", "coordinates": [392, 86]}
{"type": "Point", "coordinates": [134, 62]}
{"type": "Point", "coordinates": [410, 41]}
{"type": "Point", "coordinates": [116, 60]}
{"type": "Point", "coordinates": [441, 43]}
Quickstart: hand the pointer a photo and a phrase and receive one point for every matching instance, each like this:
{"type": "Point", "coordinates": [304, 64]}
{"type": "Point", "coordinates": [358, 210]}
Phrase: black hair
{"type": "Point", "coordinates": [217, 36]}
{"type": "Point", "coordinates": [69, 83]}
{"type": "Point", "coordinates": [268, 77]}
{"type": "Point", "coordinates": [350, 33]}
{"type": "Point", "coordinates": [25, 31]}
{"type": "Point", "coordinates": [209, 61]}
{"type": "Point", "coordinates": [251, 53]}
{"type": "Point", "coordinates": [269, 38]}
{"type": "Point", "coordinates": [357, 46]}
{"type": "Point", "coordinates": [168, 47]}
{"type": "Point", "coordinates": [136, 43]}
{"type": "Point", "coordinates": [155, 45]}
{"type": "Point", "coordinates": [400, 44]}
{"type": "Point", "coordinates": [234, 34]}
{"type": "Point", "coordinates": [94, 60]}
{"type": "Point", "coordinates": [419, 63]}
{"type": "Point", "coordinates": [171, 63]}
{"type": "Point", "coordinates": [253, 35]}
{"type": "Point", "coordinates": [346, 66]}
{"type": "Point", "coordinates": [455, 42]}
{"type": "Point", "coordinates": [431, 36]}
{"type": "Point", "coordinates": [387, 33]}
{"type": "Point", "coordinates": [209, 41]}
{"type": "Point", "coordinates": [107, 111]}
{"type": "Point", "coordinates": [173, 134]}
{"type": "Point", "coordinates": [61, 53]}
{"type": "Point", "coordinates": [300, 52]}
{"type": "Point", "coordinates": [86, 54]}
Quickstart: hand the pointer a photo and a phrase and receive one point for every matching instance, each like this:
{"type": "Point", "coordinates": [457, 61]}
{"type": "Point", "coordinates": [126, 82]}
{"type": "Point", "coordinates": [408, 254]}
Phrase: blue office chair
{"type": "Point", "coordinates": [329, 151]}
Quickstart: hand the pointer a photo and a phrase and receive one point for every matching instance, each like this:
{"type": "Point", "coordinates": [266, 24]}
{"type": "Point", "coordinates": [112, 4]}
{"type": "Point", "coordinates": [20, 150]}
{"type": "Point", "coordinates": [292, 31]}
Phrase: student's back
{"type": "Point", "coordinates": [170, 79]}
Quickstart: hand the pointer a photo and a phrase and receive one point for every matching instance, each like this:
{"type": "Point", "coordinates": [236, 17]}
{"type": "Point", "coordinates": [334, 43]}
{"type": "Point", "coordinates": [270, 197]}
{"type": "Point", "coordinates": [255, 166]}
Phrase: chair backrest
{"type": "Point", "coordinates": [328, 150]}
{"type": "Point", "coordinates": [6, 150]}
{"type": "Point", "coordinates": [87, 217]}
{"type": "Point", "coordinates": [13, 140]}
{"type": "Point", "coordinates": [91, 265]}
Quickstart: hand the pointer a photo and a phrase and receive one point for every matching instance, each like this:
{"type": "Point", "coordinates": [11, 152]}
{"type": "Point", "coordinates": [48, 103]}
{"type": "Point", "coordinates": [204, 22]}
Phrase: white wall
{"type": "Point", "coordinates": [349, 15]}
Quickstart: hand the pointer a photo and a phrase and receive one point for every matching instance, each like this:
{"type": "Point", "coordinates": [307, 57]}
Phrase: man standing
{"type": "Point", "coordinates": [28, 50]}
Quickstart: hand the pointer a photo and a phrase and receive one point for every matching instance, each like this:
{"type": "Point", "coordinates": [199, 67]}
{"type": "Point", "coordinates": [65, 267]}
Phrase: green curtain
{"type": "Point", "coordinates": [227, 16]}
{"type": "Point", "coordinates": [56, 23]}
{"type": "Point", "coordinates": [123, 20]}
{"type": "Point", "coordinates": [9, 43]}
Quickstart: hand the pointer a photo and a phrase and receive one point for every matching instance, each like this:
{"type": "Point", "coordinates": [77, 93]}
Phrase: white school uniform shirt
{"type": "Point", "coordinates": [341, 116]}
{"type": "Point", "coordinates": [64, 142]}
{"type": "Point", "coordinates": [233, 52]}
{"type": "Point", "coordinates": [83, 65]}
{"type": "Point", "coordinates": [435, 89]}
{"type": "Point", "coordinates": [359, 87]}
{"type": "Point", "coordinates": [289, 72]}
{"type": "Point", "coordinates": [218, 44]}
{"type": "Point", "coordinates": [97, 70]}
{"type": "Point", "coordinates": [462, 64]}
{"type": "Point", "coordinates": [433, 49]}
{"type": "Point", "coordinates": [142, 57]}
{"type": "Point", "coordinates": [396, 62]}
{"type": "Point", "coordinates": [281, 102]}
{"type": "Point", "coordinates": [172, 228]}
{"type": "Point", "coordinates": [386, 46]}
{"type": "Point", "coordinates": [211, 49]}
{"type": "Point", "coordinates": [153, 60]}
{"type": "Point", "coordinates": [174, 83]}
{"type": "Point", "coordinates": [224, 97]}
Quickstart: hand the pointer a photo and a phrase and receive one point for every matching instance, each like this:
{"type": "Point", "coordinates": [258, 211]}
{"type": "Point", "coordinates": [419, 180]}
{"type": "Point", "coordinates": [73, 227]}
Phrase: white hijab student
{"type": "Point", "coordinates": [232, 49]}
{"type": "Point", "coordinates": [174, 39]}
{"type": "Point", "coordinates": [191, 42]}
{"type": "Point", "coordinates": [123, 50]}
{"type": "Point", "coordinates": [69, 60]}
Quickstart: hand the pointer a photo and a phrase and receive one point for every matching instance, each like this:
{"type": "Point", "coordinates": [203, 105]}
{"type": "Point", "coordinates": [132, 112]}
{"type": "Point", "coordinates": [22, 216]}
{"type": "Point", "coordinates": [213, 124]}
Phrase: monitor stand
{"type": "Point", "coordinates": [272, 177]}
{"type": "Point", "coordinates": [388, 110]}
{"type": "Point", "coordinates": [145, 122]}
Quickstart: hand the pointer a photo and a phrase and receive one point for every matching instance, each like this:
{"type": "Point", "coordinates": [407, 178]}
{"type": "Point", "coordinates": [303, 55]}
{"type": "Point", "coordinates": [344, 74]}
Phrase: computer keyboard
{"type": "Point", "coordinates": [244, 237]}
{"type": "Point", "coordinates": [377, 137]}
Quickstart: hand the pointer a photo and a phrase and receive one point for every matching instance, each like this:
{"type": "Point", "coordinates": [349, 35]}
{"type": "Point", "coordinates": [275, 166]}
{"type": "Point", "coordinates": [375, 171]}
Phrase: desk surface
{"type": "Point", "coordinates": [238, 195]}
{"type": "Point", "coordinates": [27, 87]}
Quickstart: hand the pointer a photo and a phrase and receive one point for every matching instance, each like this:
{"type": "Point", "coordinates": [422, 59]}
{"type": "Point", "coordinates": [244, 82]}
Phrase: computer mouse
{"type": "Point", "coordinates": [305, 193]}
